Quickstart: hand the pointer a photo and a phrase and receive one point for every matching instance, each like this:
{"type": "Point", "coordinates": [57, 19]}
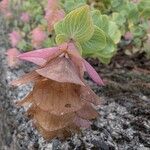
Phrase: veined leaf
{"type": "Point", "coordinates": [96, 43]}
{"type": "Point", "coordinates": [133, 13]}
{"type": "Point", "coordinates": [100, 20]}
{"type": "Point", "coordinates": [114, 32]}
{"type": "Point", "coordinates": [118, 18]}
{"type": "Point", "coordinates": [77, 25]}
{"type": "Point", "coordinates": [107, 53]}
{"type": "Point", "coordinates": [59, 27]}
{"type": "Point", "coordinates": [61, 38]}
{"type": "Point", "coordinates": [110, 27]}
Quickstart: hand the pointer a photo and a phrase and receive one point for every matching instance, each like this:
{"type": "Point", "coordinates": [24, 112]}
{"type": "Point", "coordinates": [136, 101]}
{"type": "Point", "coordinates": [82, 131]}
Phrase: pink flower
{"type": "Point", "coordinates": [15, 38]}
{"type": "Point", "coordinates": [8, 15]}
{"type": "Point", "coordinates": [53, 13]}
{"type": "Point", "coordinates": [12, 54]}
{"type": "Point", "coordinates": [4, 6]}
{"type": "Point", "coordinates": [25, 17]}
{"type": "Point", "coordinates": [128, 36]}
{"type": "Point", "coordinates": [38, 36]}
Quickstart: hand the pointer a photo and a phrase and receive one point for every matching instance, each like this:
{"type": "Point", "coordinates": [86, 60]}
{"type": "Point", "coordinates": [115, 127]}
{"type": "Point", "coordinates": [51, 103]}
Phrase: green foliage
{"type": "Point", "coordinates": [90, 31]}
{"type": "Point", "coordinates": [96, 43]}
{"type": "Point", "coordinates": [96, 29]}
{"type": "Point", "coordinates": [70, 5]}
{"type": "Point", "coordinates": [125, 16]}
{"type": "Point", "coordinates": [76, 26]}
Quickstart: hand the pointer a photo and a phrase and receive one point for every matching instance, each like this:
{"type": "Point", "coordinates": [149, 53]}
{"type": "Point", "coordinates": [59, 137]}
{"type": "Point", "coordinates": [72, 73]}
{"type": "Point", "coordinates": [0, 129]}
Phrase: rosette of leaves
{"type": "Point", "coordinates": [89, 33]}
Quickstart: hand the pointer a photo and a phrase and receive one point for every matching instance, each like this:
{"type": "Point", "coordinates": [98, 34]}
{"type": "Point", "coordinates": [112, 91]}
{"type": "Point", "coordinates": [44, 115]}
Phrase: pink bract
{"type": "Point", "coordinates": [43, 56]}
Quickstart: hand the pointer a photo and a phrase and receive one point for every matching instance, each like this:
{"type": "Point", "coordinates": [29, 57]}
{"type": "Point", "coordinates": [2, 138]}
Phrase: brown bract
{"type": "Point", "coordinates": [60, 103]}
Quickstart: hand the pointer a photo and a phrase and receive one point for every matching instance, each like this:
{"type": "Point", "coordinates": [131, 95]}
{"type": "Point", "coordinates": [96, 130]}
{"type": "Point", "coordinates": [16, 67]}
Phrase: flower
{"type": "Point", "coordinates": [61, 102]}
{"type": "Point", "coordinates": [128, 36]}
{"type": "Point", "coordinates": [38, 35]}
{"type": "Point", "coordinates": [12, 54]}
{"type": "Point", "coordinates": [4, 6]}
{"type": "Point", "coordinates": [15, 38]}
{"type": "Point", "coordinates": [25, 17]}
{"type": "Point", "coordinates": [53, 13]}
{"type": "Point", "coordinates": [8, 15]}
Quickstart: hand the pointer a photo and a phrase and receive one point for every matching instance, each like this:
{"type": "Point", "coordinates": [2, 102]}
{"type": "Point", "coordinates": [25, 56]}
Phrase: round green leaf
{"type": "Point", "coordinates": [77, 25]}
{"type": "Point", "coordinates": [96, 43]}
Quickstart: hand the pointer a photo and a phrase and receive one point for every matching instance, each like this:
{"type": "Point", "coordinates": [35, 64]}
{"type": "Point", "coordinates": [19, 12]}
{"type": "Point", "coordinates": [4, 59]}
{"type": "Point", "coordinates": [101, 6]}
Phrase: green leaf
{"type": "Point", "coordinates": [100, 20]}
{"type": "Point", "coordinates": [145, 13]}
{"type": "Point", "coordinates": [96, 43]}
{"type": "Point", "coordinates": [108, 52]}
{"type": "Point", "coordinates": [69, 5]}
{"type": "Point", "coordinates": [26, 28]}
{"type": "Point", "coordinates": [133, 13]}
{"type": "Point", "coordinates": [59, 28]}
{"type": "Point", "coordinates": [138, 31]}
{"type": "Point", "coordinates": [77, 25]}
{"type": "Point", "coordinates": [118, 18]}
{"type": "Point", "coordinates": [60, 38]}
{"type": "Point", "coordinates": [49, 42]}
{"type": "Point", "coordinates": [110, 27]}
{"type": "Point", "coordinates": [114, 32]}
{"type": "Point", "coordinates": [144, 4]}
{"type": "Point", "coordinates": [105, 54]}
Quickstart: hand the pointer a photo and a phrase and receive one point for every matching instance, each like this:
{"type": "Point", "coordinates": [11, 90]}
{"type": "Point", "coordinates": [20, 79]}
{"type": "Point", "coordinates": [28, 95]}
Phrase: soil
{"type": "Point", "coordinates": [124, 120]}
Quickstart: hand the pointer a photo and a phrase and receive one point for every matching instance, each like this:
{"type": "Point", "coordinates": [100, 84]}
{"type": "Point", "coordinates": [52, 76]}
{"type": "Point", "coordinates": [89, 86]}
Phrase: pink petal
{"type": "Point", "coordinates": [38, 35]}
{"type": "Point", "coordinates": [41, 56]}
{"type": "Point", "coordinates": [12, 57]}
{"type": "Point", "coordinates": [92, 73]}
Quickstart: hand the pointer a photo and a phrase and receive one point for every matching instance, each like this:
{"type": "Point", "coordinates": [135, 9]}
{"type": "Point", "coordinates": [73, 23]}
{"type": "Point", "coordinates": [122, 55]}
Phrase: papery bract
{"type": "Point", "coordinates": [62, 70]}
{"type": "Point", "coordinates": [40, 57]}
{"type": "Point", "coordinates": [93, 74]}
